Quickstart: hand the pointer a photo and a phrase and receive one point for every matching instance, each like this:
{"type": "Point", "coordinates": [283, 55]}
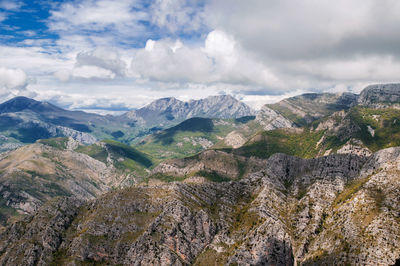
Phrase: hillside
{"type": "Point", "coordinates": [265, 189]}
{"type": "Point", "coordinates": [35, 174]}
{"type": "Point", "coordinates": [306, 108]}
{"type": "Point", "coordinates": [292, 210]}
{"type": "Point", "coordinates": [24, 120]}
{"type": "Point", "coordinates": [197, 134]}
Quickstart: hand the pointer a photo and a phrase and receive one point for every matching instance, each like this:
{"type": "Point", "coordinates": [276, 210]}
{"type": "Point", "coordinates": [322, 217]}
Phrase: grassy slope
{"type": "Point", "coordinates": [185, 139]}
{"type": "Point", "coordinates": [385, 122]}
{"type": "Point", "coordinates": [124, 157]}
{"type": "Point", "coordinates": [267, 143]}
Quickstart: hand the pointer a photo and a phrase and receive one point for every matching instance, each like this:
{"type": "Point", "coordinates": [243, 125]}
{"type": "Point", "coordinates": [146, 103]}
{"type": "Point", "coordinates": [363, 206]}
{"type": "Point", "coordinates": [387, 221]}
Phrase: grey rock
{"type": "Point", "coordinates": [270, 119]}
{"type": "Point", "coordinates": [172, 111]}
{"type": "Point", "coordinates": [380, 95]}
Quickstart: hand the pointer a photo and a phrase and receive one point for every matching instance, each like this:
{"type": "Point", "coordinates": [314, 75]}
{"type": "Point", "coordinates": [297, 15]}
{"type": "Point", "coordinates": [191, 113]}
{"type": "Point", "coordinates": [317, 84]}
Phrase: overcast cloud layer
{"type": "Point", "coordinates": [118, 55]}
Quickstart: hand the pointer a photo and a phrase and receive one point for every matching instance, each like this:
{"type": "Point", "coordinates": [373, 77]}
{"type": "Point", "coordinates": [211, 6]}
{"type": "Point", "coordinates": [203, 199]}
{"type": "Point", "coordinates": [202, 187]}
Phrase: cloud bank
{"type": "Point", "coordinates": [257, 50]}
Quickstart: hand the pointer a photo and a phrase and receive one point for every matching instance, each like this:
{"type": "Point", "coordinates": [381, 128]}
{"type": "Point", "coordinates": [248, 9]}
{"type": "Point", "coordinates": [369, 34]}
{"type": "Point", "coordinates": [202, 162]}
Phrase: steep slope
{"type": "Point", "coordinates": [197, 134]}
{"type": "Point", "coordinates": [170, 111]}
{"type": "Point", "coordinates": [34, 174]}
{"type": "Point", "coordinates": [362, 224]}
{"type": "Point", "coordinates": [380, 95]}
{"type": "Point", "coordinates": [270, 119]}
{"type": "Point", "coordinates": [360, 130]}
{"type": "Point", "coordinates": [123, 157]}
{"type": "Point", "coordinates": [292, 210]}
{"type": "Point", "coordinates": [19, 104]}
{"type": "Point", "coordinates": [306, 108]}
{"type": "Point", "coordinates": [24, 120]}
{"type": "Point", "coordinates": [213, 165]}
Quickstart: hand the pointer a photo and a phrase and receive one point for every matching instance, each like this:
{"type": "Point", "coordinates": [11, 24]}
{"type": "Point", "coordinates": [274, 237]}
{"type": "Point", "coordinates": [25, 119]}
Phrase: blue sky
{"type": "Point", "coordinates": [119, 55]}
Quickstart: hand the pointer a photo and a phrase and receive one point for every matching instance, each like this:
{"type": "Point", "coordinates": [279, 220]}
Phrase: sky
{"type": "Point", "coordinates": [111, 56]}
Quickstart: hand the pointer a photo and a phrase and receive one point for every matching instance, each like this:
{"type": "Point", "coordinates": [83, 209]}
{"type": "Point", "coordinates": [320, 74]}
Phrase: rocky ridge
{"type": "Point", "coordinates": [292, 210]}
{"type": "Point", "coordinates": [228, 206]}
{"type": "Point", "coordinates": [170, 110]}
{"type": "Point", "coordinates": [270, 119]}
{"type": "Point", "coordinates": [34, 174]}
{"type": "Point", "coordinates": [380, 96]}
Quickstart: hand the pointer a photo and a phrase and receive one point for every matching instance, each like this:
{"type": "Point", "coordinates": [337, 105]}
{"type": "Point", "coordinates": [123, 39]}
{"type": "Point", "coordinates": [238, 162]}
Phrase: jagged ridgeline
{"type": "Point", "coordinates": [24, 120]}
{"type": "Point", "coordinates": [311, 180]}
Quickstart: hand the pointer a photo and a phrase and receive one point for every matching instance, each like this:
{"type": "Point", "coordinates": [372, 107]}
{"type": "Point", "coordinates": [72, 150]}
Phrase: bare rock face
{"type": "Point", "coordinates": [234, 139]}
{"type": "Point", "coordinates": [33, 240]}
{"type": "Point", "coordinates": [362, 226]}
{"type": "Point", "coordinates": [170, 110]}
{"type": "Point", "coordinates": [308, 107]}
{"type": "Point", "coordinates": [355, 146]}
{"type": "Point", "coordinates": [334, 210]}
{"type": "Point", "coordinates": [380, 95]}
{"type": "Point", "coordinates": [34, 174]}
{"type": "Point", "coordinates": [270, 119]}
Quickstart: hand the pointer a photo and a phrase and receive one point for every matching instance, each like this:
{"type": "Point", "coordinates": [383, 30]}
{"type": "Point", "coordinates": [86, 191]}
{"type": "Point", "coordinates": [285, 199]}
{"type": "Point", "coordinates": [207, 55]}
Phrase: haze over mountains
{"type": "Point", "coordinates": [24, 120]}
{"type": "Point", "coordinates": [312, 180]}
{"type": "Point", "coordinates": [171, 110]}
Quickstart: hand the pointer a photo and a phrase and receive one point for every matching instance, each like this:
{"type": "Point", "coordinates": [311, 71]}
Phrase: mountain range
{"type": "Point", "coordinates": [168, 111]}
{"type": "Point", "coordinates": [310, 180]}
{"type": "Point", "coordinates": [24, 120]}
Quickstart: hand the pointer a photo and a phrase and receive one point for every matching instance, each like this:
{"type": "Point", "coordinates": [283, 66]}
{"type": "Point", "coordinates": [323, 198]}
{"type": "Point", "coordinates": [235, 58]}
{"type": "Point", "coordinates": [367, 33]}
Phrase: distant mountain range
{"type": "Point", "coordinates": [168, 111]}
{"type": "Point", "coordinates": [24, 120]}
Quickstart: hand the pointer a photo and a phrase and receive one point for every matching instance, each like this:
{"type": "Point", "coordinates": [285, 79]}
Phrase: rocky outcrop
{"type": "Point", "coordinates": [354, 146]}
{"type": "Point", "coordinates": [380, 95]}
{"type": "Point", "coordinates": [332, 210]}
{"type": "Point", "coordinates": [28, 120]}
{"type": "Point", "coordinates": [270, 119]}
{"type": "Point", "coordinates": [34, 240]}
{"type": "Point", "coordinates": [80, 137]}
{"type": "Point", "coordinates": [34, 174]}
{"type": "Point", "coordinates": [306, 108]}
{"type": "Point", "coordinates": [234, 139]}
{"type": "Point", "coordinates": [362, 225]}
{"type": "Point", "coordinates": [169, 111]}
{"type": "Point", "coordinates": [222, 163]}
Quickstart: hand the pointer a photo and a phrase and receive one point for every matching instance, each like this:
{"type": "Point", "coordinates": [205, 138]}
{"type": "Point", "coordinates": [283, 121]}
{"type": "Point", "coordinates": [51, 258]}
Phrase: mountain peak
{"type": "Point", "coordinates": [21, 103]}
{"type": "Point", "coordinates": [379, 94]}
{"type": "Point", "coordinates": [164, 110]}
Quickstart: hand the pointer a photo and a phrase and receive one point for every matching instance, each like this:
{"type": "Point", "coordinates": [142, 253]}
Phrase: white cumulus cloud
{"type": "Point", "coordinates": [219, 59]}
{"type": "Point", "coordinates": [13, 82]}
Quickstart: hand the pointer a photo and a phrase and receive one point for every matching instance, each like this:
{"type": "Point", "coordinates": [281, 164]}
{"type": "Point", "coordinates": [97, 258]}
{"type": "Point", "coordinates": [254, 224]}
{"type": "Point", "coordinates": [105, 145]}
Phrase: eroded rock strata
{"type": "Point", "coordinates": [333, 210]}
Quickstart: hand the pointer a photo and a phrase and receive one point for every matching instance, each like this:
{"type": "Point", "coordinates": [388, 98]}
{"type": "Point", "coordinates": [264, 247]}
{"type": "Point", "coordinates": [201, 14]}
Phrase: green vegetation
{"type": "Point", "coordinates": [350, 189]}
{"type": "Point", "coordinates": [59, 143]}
{"type": "Point", "coordinates": [166, 178]}
{"type": "Point", "coordinates": [128, 152]}
{"type": "Point", "coordinates": [95, 151]}
{"type": "Point", "coordinates": [31, 134]}
{"type": "Point", "coordinates": [125, 157]}
{"type": "Point", "coordinates": [385, 122]}
{"type": "Point", "coordinates": [287, 113]}
{"type": "Point", "coordinates": [212, 176]}
{"type": "Point", "coordinates": [265, 144]}
{"type": "Point", "coordinates": [313, 105]}
{"type": "Point", "coordinates": [188, 138]}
